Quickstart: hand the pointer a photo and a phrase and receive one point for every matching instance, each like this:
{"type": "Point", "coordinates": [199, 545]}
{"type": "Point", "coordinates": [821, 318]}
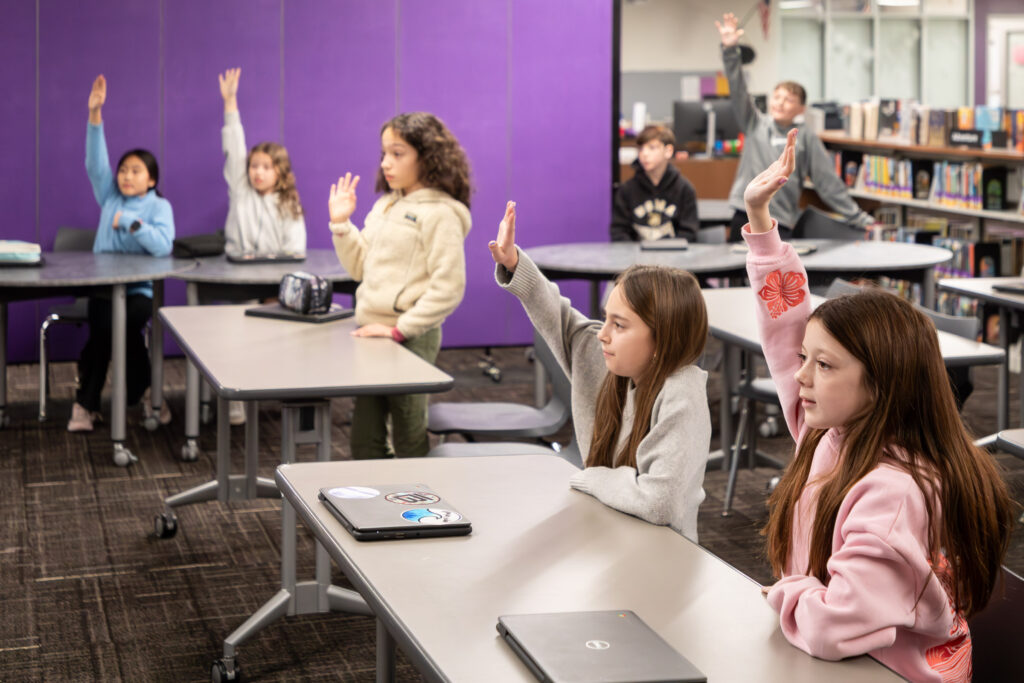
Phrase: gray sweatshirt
{"type": "Point", "coordinates": [764, 143]}
{"type": "Point", "coordinates": [254, 224]}
{"type": "Point", "coordinates": [666, 487]}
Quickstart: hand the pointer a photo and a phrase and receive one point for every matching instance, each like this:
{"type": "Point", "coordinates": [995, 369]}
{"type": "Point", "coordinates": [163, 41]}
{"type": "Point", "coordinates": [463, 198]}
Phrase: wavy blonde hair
{"type": "Point", "coordinates": [288, 203]}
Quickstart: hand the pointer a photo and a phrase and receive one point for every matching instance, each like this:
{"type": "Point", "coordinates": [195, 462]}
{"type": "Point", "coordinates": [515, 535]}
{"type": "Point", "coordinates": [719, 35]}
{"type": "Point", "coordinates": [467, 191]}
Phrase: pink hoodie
{"type": "Point", "coordinates": [883, 597]}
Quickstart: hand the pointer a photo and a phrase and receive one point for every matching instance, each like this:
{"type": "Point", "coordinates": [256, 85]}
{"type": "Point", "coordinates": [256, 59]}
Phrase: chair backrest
{"type": "Point", "coordinates": [816, 224]}
{"type": "Point", "coordinates": [841, 287]}
{"type": "Point", "coordinates": [74, 239]}
{"type": "Point", "coordinates": [996, 632]}
{"type": "Point", "coordinates": [561, 388]}
{"type": "Point", "coordinates": [960, 325]}
{"type": "Point", "coordinates": [716, 234]}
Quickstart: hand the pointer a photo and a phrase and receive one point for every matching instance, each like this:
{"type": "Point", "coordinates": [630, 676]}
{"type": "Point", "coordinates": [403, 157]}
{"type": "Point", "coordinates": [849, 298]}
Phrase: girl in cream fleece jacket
{"type": "Point", "coordinates": [410, 264]}
{"type": "Point", "coordinates": [888, 528]}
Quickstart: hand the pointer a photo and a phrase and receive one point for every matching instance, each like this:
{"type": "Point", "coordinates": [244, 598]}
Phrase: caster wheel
{"type": "Point", "coordinates": [773, 482]}
{"type": "Point", "coordinates": [495, 375]}
{"type": "Point", "coordinates": [205, 413]}
{"type": "Point", "coordinates": [190, 451]}
{"type": "Point", "coordinates": [123, 457]}
{"type": "Point", "coordinates": [769, 427]}
{"type": "Point", "coordinates": [151, 423]}
{"type": "Point", "coordinates": [165, 525]}
{"type": "Point", "coordinates": [219, 672]}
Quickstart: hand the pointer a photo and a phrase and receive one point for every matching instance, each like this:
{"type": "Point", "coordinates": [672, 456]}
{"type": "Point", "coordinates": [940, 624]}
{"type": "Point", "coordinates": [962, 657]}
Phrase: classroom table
{"type": "Point", "coordinates": [539, 546]}
{"type": "Point", "coordinates": [600, 261]}
{"type": "Point", "coordinates": [216, 279]}
{"type": "Point", "coordinates": [731, 319]}
{"type": "Point", "coordinates": [304, 365]}
{"type": "Point", "coordinates": [1011, 309]}
{"type": "Point", "coordinates": [88, 273]}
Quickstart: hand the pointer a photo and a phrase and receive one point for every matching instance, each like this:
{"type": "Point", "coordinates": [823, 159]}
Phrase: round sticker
{"type": "Point", "coordinates": [354, 492]}
{"type": "Point", "coordinates": [411, 498]}
{"type": "Point", "coordinates": [431, 516]}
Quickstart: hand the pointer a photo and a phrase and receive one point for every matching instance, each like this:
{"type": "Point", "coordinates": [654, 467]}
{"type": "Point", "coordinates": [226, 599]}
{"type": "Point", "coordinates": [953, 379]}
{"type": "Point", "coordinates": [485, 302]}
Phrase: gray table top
{"type": "Point", "coordinates": [982, 288]}
{"type": "Point", "coordinates": [84, 269]}
{"type": "Point", "coordinates": [249, 358]}
{"type": "Point", "coordinates": [217, 269]}
{"type": "Point", "coordinates": [538, 546]}
{"type": "Point", "coordinates": [731, 317]}
{"type": "Point", "coordinates": [605, 260]}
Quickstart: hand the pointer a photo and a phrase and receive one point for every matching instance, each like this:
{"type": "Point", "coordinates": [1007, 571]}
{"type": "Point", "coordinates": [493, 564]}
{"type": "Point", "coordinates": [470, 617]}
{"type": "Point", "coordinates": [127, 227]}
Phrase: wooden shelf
{"type": "Point", "coordinates": [997, 155]}
{"type": "Point", "coordinates": [1007, 216]}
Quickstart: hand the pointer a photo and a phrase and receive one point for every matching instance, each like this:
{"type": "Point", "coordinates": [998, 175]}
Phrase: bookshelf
{"type": "Point", "coordinates": [837, 139]}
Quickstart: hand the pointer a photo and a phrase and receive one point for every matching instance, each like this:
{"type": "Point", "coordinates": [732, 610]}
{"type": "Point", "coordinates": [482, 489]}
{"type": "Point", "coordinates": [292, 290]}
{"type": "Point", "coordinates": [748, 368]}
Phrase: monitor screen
{"type": "Point", "coordinates": [691, 122]}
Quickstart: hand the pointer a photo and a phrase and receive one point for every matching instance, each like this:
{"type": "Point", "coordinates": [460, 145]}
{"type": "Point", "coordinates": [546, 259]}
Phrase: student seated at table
{"type": "Point", "coordinates": [134, 219]}
{"type": "Point", "coordinates": [410, 262]}
{"type": "Point", "coordinates": [639, 402]}
{"type": "Point", "coordinates": [764, 138]}
{"type": "Point", "coordinates": [265, 215]}
{"type": "Point", "coordinates": [657, 201]}
{"type": "Point", "coordinates": [888, 528]}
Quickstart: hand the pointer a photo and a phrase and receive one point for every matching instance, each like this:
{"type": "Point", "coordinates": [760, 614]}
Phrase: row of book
{"type": "Point", "coordinates": [909, 122]}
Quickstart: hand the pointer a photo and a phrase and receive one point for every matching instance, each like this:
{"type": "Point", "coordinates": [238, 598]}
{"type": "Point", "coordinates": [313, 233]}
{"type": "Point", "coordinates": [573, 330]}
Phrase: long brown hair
{"type": "Point", "coordinates": [911, 419]}
{"type": "Point", "coordinates": [669, 302]}
{"type": "Point", "coordinates": [288, 203]}
{"type": "Point", "coordinates": [442, 161]}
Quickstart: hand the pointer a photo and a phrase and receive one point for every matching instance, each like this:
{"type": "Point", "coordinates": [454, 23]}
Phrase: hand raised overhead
{"type": "Point", "coordinates": [342, 202]}
{"type": "Point", "coordinates": [229, 83]}
{"type": "Point", "coordinates": [728, 30]}
{"type": "Point", "coordinates": [98, 95]}
{"type": "Point", "coordinates": [503, 249]}
{"type": "Point", "coordinates": [762, 188]}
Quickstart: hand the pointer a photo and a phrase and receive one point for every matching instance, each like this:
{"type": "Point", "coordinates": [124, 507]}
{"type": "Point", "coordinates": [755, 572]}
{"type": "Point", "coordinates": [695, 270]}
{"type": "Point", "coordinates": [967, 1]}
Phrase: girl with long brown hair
{"type": "Point", "coordinates": [639, 402]}
{"type": "Point", "coordinates": [888, 528]}
{"type": "Point", "coordinates": [409, 261]}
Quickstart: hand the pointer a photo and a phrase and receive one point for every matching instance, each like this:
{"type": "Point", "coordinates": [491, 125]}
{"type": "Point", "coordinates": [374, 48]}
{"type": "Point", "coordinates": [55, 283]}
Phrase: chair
{"type": "Point", "coordinates": [716, 234]}
{"type": "Point", "coordinates": [816, 224]}
{"type": "Point", "coordinates": [962, 326]}
{"type": "Point", "coordinates": [996, 632]}
{"type": "Point", "coordinates": [76, 312]}
{"type": "Point", "coordinates": [500, 420]}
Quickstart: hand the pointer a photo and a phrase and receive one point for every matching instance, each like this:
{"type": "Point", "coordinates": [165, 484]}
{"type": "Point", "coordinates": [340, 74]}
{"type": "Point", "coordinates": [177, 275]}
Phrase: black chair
{"type": "Point", "coordinates": [76, 312]}
{"type": "Point", "coordinates": [816, 224]}
{"type": "Point", "coordinates": [996, 632]}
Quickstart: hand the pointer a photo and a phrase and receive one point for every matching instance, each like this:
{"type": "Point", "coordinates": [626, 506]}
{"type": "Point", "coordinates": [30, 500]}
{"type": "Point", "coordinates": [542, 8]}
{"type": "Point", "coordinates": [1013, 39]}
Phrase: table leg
{"type": "Point", "coordinates": [385, 655]}
{"type": "Point", "coordinates": [122, 456]}
{"type": "Point", "coordinates": [928, 289]}
{"type": "Point", "coordinates": [730, 377]}
{"type": "Point", "coordinates": [156, 357]}
{"type": "Point", "coordinates": [1003, 388]}
{"type": "Point", "coordinates": [5, 419]}
{"type": "Point", "coordinates": [190, 451]}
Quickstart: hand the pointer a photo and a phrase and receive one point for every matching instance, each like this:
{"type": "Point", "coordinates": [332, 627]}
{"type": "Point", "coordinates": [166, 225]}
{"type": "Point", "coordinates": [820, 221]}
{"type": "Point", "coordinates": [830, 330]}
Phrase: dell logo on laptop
{"type": "Point", "coordinates": [597, 645]}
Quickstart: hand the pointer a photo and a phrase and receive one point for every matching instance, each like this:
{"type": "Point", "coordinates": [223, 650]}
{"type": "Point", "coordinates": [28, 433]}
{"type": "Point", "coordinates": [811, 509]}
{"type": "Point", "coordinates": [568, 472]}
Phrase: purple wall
{"type": "Point", "coordinates": [983, 8]}
{"type": "Point", "coordinates": [525, 85]}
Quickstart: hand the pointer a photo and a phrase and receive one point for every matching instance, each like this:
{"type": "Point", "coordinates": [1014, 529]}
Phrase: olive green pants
{"type": "Point", "coordinates": [408, 414]}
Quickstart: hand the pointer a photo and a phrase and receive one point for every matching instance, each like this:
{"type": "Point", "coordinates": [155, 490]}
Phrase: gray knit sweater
{"type": "Point", "coordinates": [666, 487]}
{"type": "Point", "coordinates": [764, 143]}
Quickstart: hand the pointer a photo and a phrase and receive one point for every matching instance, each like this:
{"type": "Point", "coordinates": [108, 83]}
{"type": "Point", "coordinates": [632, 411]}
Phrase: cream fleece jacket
{"type": "Point", "coordinates": [409, 260]}
{"type": "Point", "coordinates": [883, 598]}
{"type": "Point", "coordinates": [667, 484]}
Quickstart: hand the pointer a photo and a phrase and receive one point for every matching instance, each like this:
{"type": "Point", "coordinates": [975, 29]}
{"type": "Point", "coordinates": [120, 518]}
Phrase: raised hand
{"type": "Point", "coordinates": [728, 30]}
{"type": "Point", "coordinates": [229, 87]}
{"type": "Point", "coordinates": [97, 97]}
{"type": "Point", "coordinates": [761, 189]}
{"type": "Point", "coordinates": [342, 202]}
{"type": "Point", "coordinates": [503, 249]}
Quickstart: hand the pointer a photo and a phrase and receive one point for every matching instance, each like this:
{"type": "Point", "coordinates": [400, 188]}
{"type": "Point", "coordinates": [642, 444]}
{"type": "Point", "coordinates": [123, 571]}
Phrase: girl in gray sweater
{"type": "Point", "coordinates": [639, 404]}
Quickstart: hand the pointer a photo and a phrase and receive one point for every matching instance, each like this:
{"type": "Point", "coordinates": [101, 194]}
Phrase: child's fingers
{"type": "Point", "coordinates": [355, 181]}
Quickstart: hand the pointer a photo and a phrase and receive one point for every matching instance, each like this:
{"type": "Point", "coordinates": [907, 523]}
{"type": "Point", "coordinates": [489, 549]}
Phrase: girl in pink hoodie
{"type": "Point", "coordinates": [888, 528]}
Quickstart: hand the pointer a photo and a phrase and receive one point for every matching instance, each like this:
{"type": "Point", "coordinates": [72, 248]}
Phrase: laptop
{"type": "Point", "coordinates": [276, 310]}
{"type": "Point", "coordinates": [800, 249]}
{"type": "Point", "coordinates": [665, 244]}
{"type": "Point", "coordinates": [1010, 286]}
{"type": "Point", "coordinates": [603, 647]}
{"type": "Point", "coordinates": [251, 257]}
{"type": "Point", "coordinates": [382, 512]}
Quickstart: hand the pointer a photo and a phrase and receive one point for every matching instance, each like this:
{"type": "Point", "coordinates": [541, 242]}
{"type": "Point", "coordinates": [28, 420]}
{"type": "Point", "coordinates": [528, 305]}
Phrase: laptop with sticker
{"type": "Point", "coordinates": [606, 647]}
{"type": "Point", "coordinates": [391, 511]}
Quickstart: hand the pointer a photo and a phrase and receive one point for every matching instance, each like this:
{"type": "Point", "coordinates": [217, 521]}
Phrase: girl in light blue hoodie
{"type": "Point", "coordinates": [134, 219]}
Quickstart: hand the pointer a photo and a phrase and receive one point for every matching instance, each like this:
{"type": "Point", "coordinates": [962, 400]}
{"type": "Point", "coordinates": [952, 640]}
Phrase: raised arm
{"type": "Point", "coordinates": [232, 135]}
{"type": "Point", "coordinates": [742, 102]}
{"type": "Point", "coordinates": [97, 161]}
{"type": "Point", "coordinates": [780, 282]}
{"type": "Point", "coordinates": [348, 242]}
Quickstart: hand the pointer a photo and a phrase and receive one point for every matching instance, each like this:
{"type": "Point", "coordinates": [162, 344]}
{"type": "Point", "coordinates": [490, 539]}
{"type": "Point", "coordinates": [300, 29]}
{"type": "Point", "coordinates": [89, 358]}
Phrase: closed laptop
{"type": "Point", "coordinates": [389, 511]}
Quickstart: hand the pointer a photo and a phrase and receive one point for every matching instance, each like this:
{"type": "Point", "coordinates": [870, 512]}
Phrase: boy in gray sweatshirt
{"type": "Point", "coordinates": [765, 138]}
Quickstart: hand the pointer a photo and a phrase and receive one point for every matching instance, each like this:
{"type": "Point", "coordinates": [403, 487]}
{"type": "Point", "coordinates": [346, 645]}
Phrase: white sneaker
{"type": "Point", "coordinates": [81, 419]}
{"type": "Point", "coordinates": [147, 409]}
{"type": "Point", "coordinates": [236, 412]}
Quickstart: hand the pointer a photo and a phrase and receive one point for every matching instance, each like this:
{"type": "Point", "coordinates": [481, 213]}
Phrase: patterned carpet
{"type": "Point", "coordinates": [88, 594]}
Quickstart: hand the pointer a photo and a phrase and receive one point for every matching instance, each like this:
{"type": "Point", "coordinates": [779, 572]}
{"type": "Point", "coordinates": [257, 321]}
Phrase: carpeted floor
{"type": "Point", "coordinates": [88, 594]}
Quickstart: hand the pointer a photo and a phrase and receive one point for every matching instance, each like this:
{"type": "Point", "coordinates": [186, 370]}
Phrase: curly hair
{"type": "Point", "coordinates": [287, 194]}
{"type": "Point", "coordinates": [442, 161]}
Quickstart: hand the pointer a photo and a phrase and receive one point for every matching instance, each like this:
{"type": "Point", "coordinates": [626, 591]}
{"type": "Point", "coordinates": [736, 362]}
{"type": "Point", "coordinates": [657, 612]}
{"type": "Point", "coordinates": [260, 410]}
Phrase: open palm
{"type": "Point", "coordinates": [503, 249]}
{"type": "Point", "coordinates": [98, 95]}
{"type": "Point", "coordinates": [761, 189]}
{"type": "Point", "coordinates": [728, 30]}
{"type": "Point", "coordinates": [342, 202]}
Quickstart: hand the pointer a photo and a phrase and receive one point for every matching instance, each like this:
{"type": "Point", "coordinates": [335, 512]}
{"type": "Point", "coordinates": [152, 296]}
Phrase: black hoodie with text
{"type": "Point", "coordinates": [645, 212]}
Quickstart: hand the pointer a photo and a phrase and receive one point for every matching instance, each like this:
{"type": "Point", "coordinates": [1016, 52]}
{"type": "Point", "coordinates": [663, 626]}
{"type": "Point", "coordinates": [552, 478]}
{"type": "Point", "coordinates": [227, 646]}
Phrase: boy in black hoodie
{"type": "Point", "coordinates": [658, 201]}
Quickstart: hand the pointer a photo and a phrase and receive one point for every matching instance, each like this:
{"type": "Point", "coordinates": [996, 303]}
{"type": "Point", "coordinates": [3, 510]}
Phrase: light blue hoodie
{"type": "Point", "coordinates": [156, 232]}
